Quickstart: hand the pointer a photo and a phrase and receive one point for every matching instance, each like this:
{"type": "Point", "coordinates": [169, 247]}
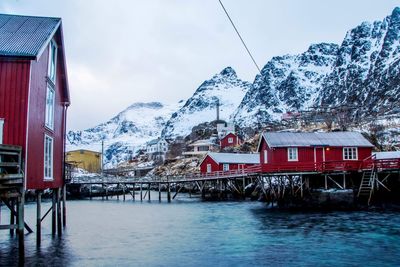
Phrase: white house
{"type": "Point", "coordinates": [157, 148]}
{"type": "Point", "coordinates": [225, 128]}
{"type": "Point", "coordinates": [201, 147]}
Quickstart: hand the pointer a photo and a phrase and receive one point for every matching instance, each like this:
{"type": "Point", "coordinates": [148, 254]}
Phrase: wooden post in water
{"type": "Point", "coordinates": [59, 221]}
{"type": "Point", "coordinates": [21, 225]}
{"type": "Point", "coordinates": [117, 191]}
{"type": "Point", "coordinates": [159, 191]}
{"type": "Point", "coordinates": [53, 212]}
{"type": "Point", "coordinates": [244, 188]}
{"type": "Point", "coordinates": [38, 217]}
{"type": "Point", "coordinates": [344, 181]}
{"type": "Point", "coordinates": [64, 206]}
{"type": "Point", "coordinates": [203, 190]}
{"type": "Point", "coordinates": [133, 191]}
{"type": "Point", "coordinates": [141, 192]}
{"type": "Point", "coordinates": [169, 192]}
{"type": "Point", "coordinates": [90, 191]}
{"type": "Point", "coordinates": [123, 191]}
{"type": "Point", "coordinates": [106, 192]}
{"type": "Point", "coordinates": [301, 186]}
{"type": "Point", "coordinates": [148, 189]}
{"type": "Point", "coordinates": [12, 216]}
{"type": "Point", "coordinates": [326, 182]}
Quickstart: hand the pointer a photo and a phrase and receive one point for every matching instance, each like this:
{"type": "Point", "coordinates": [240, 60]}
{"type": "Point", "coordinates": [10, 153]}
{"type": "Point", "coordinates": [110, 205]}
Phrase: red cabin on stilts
{"type": "Point", "coordinates": [310, 152]}
{"type": "Point", "coordinates": [34, 95]}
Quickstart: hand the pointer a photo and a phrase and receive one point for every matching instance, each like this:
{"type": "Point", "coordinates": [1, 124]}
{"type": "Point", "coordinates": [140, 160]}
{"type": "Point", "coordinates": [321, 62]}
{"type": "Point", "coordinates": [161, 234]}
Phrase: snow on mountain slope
{"type": "Point", "coordinates": [287, 83]}
{"type": "Point", "coordinates": [224, 87]}
{"type": "Point", "coordinates": [125, 133]}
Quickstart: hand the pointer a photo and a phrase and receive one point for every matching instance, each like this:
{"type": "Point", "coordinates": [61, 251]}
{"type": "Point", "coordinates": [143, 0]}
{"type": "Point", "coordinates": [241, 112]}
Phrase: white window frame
{"type": "Point", "coordinates": [265, 156]}
{"type": "Point", "coordinates": [50, 105]}
{"type": "Point", "coordinates": [350, 153]}
{"type": "Point", "coordinates": [52, 67]}
{"type": "Point", "coordinates": [225, 167]}
{"type": "Point", "coordinates": [293, 154]}
{"type": "Point", "coordinates": [209, 168]}
{"type": "Point", "coordinates": [48, 166]}
{"type": "Point", "coordinates": [1, 131]}
{"type": "Point", "coordinates": [230, 140]}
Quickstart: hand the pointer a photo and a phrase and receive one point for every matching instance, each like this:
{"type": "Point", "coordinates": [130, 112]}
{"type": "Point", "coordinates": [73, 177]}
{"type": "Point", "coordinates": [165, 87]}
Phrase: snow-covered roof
{"type": "Point", "coordinates": [235, 158]}
{"type": "Point", "coordinates": [387, 155]}
{"type": "Point", "coordinates": [285, 139]}
{"type": "Point", "coordinates": [203, 142]}
{"type": "Point", "coordinates": [154, 141]}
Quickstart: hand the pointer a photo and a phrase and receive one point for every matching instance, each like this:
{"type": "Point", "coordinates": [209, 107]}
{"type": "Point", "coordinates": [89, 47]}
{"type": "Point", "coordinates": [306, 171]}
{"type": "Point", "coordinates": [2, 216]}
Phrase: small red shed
{"type": "Point", "coordinates": [34, 95]}
{"type": "Point", "coordinates": [230, 140]}
{"type": "Point", "coordinates": [285, 151]}
{"type": "Point", "coordinates": [213, 162]}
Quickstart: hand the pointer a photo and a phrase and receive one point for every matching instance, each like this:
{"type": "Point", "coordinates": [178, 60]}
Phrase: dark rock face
{"type": "Point", "coordinates": [362, 72]}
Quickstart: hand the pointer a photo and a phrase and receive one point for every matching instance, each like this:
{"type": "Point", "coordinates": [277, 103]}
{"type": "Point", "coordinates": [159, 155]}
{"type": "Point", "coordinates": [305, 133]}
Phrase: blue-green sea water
{"type": "Point", "coordinates": [189, 232]}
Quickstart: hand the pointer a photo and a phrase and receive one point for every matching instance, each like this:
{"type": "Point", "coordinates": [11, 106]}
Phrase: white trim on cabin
{"type": "Point", "coordinates": [225, 167]}
{"type": "Point", "coordinates": [48, 166]}
{"type": "Point", "coordinates": [265, 156]}
{"type": "Point", "coordinates": [209, 168]}
{"type": "Point", "coordinates": [230, 140]}
{"type": "Point", "coordinates": [293, 154]}
{"type": "Point", "coordinates": [350, 153]}
{"type": "Point", "coordinates": [1, 130]}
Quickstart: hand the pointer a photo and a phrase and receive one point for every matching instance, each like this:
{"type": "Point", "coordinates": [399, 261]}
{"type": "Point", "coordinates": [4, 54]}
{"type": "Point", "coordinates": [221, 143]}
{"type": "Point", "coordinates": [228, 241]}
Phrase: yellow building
{"type": "Point", "coordinates": [85, 159]}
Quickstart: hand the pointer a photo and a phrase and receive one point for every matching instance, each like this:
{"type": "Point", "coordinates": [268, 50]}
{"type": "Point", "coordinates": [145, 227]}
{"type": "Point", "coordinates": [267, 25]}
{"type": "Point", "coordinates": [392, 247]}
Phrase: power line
{"type": "Point", "coordinates": [241, 39]}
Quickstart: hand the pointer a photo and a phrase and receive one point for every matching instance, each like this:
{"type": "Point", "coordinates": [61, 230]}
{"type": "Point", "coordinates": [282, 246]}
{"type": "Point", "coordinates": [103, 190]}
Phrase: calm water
{"type": "Point", "coordinates": [188, 232]}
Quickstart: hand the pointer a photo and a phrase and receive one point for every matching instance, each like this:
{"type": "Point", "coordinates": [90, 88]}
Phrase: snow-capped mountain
{"type": "Point", "coordinates": [363, 72]}
{"type": "Point", "coordinates": [366, 72]}
{"type": "Point", "coordinates": [125, 133]}
{"type": "Point", "coordinates": [224, 87]}
{"type": "Point", "coordinates": [289, 82]}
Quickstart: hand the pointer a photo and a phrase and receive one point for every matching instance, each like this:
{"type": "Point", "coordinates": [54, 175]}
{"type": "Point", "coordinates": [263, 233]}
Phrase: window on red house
{"type": "Point", "coordinates": [230, 140]}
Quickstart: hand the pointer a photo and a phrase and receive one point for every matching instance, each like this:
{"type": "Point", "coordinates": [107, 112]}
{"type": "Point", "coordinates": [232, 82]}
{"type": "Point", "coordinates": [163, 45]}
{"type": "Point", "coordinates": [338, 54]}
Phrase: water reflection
{"type": "Point", "coordinates": [189, 232]}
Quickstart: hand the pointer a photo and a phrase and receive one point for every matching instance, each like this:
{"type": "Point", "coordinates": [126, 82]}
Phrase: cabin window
{"type": "Point", "coordinates": [230, 140]}
{"type": "Point", "coordinates": [350, 153]}
{"type": "Point", "coordinates": [225, 167]}
{"type": "Point", "coordinates": [49, 120]}
{"type": "Point", "coordinates": [208, 167]}
{"type": "Point", "coordinates": [1, 131]}
{"type": "Point", "coordinates": [52, 70]}
{"type": "Point", "coordinates": [292, 154]}
{"type": "Point", "coordinates": [265, 156]}
{"type": "Point", "coordinates": [48, 158]}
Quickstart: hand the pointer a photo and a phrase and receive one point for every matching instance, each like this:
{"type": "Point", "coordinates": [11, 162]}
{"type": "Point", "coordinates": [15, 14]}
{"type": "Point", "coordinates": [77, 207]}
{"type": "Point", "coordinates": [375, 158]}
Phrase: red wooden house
{"type": "Point", "coordinates": [230, 140]}
{"type": "Point", "coordinates": [34, 95]}
{"type": "Point", "coordinates": [214, 162]}
{"type": "Point", "coordinates": [308, 152]}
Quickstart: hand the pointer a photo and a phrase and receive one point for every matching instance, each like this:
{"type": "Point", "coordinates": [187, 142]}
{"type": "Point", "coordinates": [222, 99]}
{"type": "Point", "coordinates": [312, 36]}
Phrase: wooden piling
{"type": "Point", "coordinates": [148, 188]}
{"type": "Point", "coordinates": [59, 220]}
{"type": "Point", "coordinates": [106, 192]}
{"type": "Point", "coordinates": [141, 192]}
{"type": "Point", "coordinates": [38, 218]}
{"type": "Point", "coordinates": [159, 191]}
{"type": "Point", "coordinates": [133, 191]}
{"type": "Point", "coordinates": [12, 216]}
{"type": "Point", "coordinates": [53, 212]}
{"type": "Point", "coordinates": [169, 192]}
{"type": "Point", "coordinates": [64, 206]}
{"type": "Point", "coordinates": [21, 225]}
{"type": "Point", "coordinates": [123, 191]}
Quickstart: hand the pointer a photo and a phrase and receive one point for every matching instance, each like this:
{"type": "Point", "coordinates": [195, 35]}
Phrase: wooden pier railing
{"type": "Point", "coordinates": [11, 173]}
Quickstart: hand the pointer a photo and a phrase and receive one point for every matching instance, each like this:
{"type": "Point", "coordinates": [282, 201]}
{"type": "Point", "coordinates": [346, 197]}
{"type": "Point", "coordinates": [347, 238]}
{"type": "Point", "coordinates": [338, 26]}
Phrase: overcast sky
{"type": "Point", "coordinates": [121, 52]}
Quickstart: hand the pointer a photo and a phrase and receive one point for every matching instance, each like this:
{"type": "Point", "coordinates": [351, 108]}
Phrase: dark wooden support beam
{"type": "Point", "coordinates": [59, 220]}
{"type": "Point", "coordinates": [12, 215]}
{"type": "Point", "coordinates": [53, 212]}
{"type": "Point", "coordinates": [169, 192]}
{"type": "Point", "coordinates": [38, 218]}
{"type": "Point", "coordinates": [21, 225]}
{"type": "Point", "coordinates": [159, 191]}
{"type": "Point", "coordinates": [64, 206]}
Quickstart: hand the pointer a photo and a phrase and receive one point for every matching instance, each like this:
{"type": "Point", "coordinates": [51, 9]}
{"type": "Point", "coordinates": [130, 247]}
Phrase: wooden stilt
{"type": "Point", "coordinates": [141, 192]}
{"type": "Point", "coordinates": [203, 190]}
{"type": "Point", "coordinates": [21, 222]}
{"type": "Point", "coordinates": [59, 221]}
{"type": "Point", "coordinates": [326, 182]}
{"type": "Point", "coordinates": [106, 192]}
{"type": "Point", "coordinates": [117, 191]}
{"type": "Point", "coordinates": [64, 206]}
{"type": "Point", "coordinates": [148, 188]}
{"type": "Point", "coordinates": [90, 191]}
{"type": "Point", "coordinates": [244, 188]}
{"type": "Point", "coordinates": [12, 216]}
{"type": "Point", "coordinates": [159, 192]}
{"type": "Point", "coordinates": [133, 192]}
{"type": "Point", "coordinates": [169, 192]}
{"type": "Point", "coordinates": [53, 212]}
{"type": "Point", "coordinates": [301, 185]}
{"type": "Point", "coordinates": [38, 218]}
{"type": "Point", "coordinates": [123, 191]}
{"type": "Point", "coordinates": [344, 181]}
